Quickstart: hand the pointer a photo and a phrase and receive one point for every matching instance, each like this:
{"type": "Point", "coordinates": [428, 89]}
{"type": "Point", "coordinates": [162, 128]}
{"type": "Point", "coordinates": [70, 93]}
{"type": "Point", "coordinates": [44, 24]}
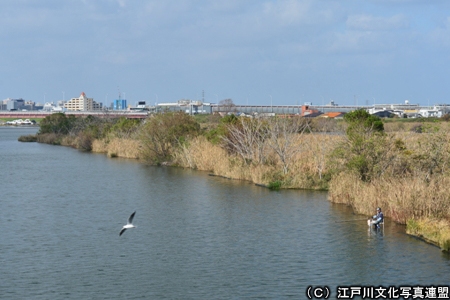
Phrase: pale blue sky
{"type": "Point", "coordinates": [255, 51]}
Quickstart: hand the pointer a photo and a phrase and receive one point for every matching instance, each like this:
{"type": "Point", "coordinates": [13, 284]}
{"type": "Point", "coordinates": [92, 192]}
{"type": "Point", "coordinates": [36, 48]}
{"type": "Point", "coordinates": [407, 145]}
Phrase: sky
{"type": "Point", "coordinates": [256, 52]}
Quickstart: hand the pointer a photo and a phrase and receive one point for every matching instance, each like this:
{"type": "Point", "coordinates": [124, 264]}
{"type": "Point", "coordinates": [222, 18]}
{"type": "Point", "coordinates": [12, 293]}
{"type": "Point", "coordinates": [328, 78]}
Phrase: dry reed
{"type": "Point", "coordinates": [306, 167]}
{"type": "Point", "coordinates": [117, 147]}
{"type": "Point", "coordinates": [418, 197]}
{"type": "Point", "coordinates": [435, 231]}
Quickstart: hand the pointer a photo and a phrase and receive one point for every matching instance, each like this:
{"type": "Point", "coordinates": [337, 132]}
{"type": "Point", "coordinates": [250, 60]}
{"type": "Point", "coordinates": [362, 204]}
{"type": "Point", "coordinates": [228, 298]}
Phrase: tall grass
{"type": "Point", "coordinates": [118, 147]}
{"type": "Point", "coordinates": [401, 199]}
{"type": "Point", "coordinates": [200, 154]}
{"type": "Point", "coordinates": [413, 190]}
{"type": "Point", "coordinates": [432, 230]}
{"type": "Point", "coordinates": [307, 170]}
{"type": "Point", "coordinates": [409, 176]}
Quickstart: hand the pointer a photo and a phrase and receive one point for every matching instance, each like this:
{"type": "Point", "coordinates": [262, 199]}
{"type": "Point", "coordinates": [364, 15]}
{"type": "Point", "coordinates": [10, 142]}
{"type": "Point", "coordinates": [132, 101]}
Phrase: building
{"type": "Point", "coordinates": [333, 115]}
{"type": "Point", "coordinates": [120, 104]}
{"type": "Point", "coordinates": [308, 112]}
{"type": "Point", "coordinates": [188, 106]}
{"type": "Point", "coordinates": [48, 106]}
{"type": "Point", "coordinates": [82, 103]}
{"type": "Point", "coordinates": [141, 106]}
{"type": "Point", "coordinates": [14, 104]}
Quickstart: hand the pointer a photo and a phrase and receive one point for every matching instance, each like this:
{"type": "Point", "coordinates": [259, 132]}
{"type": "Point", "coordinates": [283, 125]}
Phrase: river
{"type": "Point", "coordinates": [197, 236]}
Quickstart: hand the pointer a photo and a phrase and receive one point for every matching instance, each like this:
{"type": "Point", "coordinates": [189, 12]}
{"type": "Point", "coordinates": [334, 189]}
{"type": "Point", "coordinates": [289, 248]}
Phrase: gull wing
{"type": "Point", "coordinates": [122, 231]}
{"type": "Point", "coordinates": [130, 219]}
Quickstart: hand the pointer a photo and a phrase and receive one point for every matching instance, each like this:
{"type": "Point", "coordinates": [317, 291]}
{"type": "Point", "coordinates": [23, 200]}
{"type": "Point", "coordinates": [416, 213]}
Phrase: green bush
{"type": "Point", "coordinates": [215, 135]}
{"type": "Point", "coordinates": [275, 185]}
{"type": "Point", "coordinates": [366, 146]}
{"type": "Point", "coordinates": [124, 127]}
{"type": "Point", "coordinates": [56, 123]}
{"type": "Point", "coordinates": [164, 132]}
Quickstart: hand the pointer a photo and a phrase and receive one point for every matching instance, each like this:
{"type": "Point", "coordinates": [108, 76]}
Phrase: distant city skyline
{"type": "Point", "coordinates": [269, 52]}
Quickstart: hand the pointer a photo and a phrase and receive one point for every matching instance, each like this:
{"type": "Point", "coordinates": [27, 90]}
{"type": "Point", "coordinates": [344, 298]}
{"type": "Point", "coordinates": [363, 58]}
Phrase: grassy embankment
{"type": "Point", "coordinates": [409, 179]}
{"type": "Point", "coordinates": [404, 170]}
{"type": "Point", "coordinates": [4, 120]}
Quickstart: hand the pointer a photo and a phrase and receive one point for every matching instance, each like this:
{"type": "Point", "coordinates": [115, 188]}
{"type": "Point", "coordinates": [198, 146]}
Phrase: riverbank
{"type": "Point", "coordinates": [405, 173]}
{"type": "Point", "coordinates": [433, 231]}
{"type": "Point", "coordinates": [363, 198]}
{"type": "Point", "coordinates": [193, 230]}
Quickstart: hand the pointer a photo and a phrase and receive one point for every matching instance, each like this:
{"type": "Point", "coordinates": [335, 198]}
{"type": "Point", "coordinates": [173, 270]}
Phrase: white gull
{"type": "Point", "coordinates": [129, 224]}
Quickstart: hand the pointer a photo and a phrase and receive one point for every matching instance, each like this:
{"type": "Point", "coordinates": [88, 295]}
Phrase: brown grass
{"type": "Point", "coordinates": [202, 155]}
{"type": "Point", "coordinates": [116, 147]}
{"type": "Point", "coordinates": [434, 231]}
{"type": "Point", "coordinates": [303, 169]}
{"type": "Point", "coordinates": [419, 196]}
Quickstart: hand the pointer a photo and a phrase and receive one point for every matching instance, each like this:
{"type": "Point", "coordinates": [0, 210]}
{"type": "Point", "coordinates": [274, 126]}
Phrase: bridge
{"type": "Point", "coordinates": [101, 114]}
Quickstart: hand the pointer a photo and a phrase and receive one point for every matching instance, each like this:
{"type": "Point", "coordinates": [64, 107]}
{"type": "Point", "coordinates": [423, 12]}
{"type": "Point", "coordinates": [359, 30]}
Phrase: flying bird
{"type": "Point", "coordinates": [129, 224]}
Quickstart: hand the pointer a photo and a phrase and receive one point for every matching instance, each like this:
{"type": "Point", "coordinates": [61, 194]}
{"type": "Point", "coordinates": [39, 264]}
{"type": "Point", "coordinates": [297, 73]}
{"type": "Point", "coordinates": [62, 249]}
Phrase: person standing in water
{"type": "Point", "coordinates": [378, 218]}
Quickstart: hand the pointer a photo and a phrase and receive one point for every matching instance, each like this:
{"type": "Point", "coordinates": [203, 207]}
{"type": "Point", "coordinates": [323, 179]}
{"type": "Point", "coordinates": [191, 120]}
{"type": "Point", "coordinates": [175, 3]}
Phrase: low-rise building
{"type": "Point", "coordinates": [430, 113]}
{"type": "Point", "coordinates": [188, 106]}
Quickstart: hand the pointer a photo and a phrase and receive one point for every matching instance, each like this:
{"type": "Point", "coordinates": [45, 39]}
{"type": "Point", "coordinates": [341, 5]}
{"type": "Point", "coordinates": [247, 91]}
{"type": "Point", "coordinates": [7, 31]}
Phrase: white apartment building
{"type": "Point", "coordinates": [82, 103]}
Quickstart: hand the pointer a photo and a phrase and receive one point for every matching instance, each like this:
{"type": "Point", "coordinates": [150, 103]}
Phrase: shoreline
{"type": "Point", "coordinates": [435, 235]}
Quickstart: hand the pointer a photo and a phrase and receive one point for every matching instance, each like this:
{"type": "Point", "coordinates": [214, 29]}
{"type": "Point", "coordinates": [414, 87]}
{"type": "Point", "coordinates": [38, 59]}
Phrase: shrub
{"type": "Point", "coordinates": [275, 185]}
{"type": "Point", "coordinates": [162, 133]}
{"type": "Point", "coordinates": [49, 138]}
{"type": "Point", "coordinates": [124, 127]}
{"type": "Point", "coordinates": [366, 150]}
{"type": "Point", "coordinates": [445, 117]}
{"type": "Point", "coordinates": [216, 134]}
{"type": "Point", "coordinates": [28, 138]}
{"type": "Point", "coordinates": [56, 123]}
{"type": "Point", "coordinates": [418, 128]}
{"type": "Point", "coordinates": [84, 141]}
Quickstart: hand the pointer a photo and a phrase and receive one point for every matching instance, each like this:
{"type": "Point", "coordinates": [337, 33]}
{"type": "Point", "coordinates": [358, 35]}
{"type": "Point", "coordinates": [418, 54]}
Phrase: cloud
{"type": "Point", "coordinates": [295, 12]}
{"type": "Point", "coordinates": [372, 23]}
{"type": "Point", "coordinates": [287, 12]}
{"type": "Point", "coordinates": [439, 37]}
{"type": "Point", "coordinates": [122, 3]}
{"type": "Point", "coordinates": [199, 40]}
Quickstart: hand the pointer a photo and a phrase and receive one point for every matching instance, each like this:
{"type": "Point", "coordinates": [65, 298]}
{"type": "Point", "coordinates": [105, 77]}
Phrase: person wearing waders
{"type": "Point", "coordinates": [378, 218]}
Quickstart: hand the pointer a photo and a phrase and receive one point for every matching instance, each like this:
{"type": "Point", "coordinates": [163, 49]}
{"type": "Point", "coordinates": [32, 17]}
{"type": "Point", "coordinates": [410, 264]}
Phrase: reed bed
{"type": "Point", "coordinates": [414, 190]}
{"type": "Point", "coordinates": [414, 196]}
{"type": "Point", "coordinates": [200, 154]}
{"type": "Point", "coordinates": [118, 147]}
{"type": "Point", "coordinates": [435, 231]}
{"type": "Point", "coordinates": [410, 180]}
{"type": "Point", "coordinates": [401, 199]}
{"type": "Point", "coordinates": [307, 168]}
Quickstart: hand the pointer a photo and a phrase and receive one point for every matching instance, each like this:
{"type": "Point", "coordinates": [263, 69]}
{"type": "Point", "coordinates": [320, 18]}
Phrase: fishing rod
{"type": "Point", "coordinates": [350, 220]}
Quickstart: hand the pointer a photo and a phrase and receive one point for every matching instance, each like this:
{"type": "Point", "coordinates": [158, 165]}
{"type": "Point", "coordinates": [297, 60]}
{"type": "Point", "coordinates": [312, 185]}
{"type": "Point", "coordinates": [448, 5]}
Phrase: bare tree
{"type": "Point", "coordinates": [320, 150]}
{"type": "Point", "coordinates": [247, 138]}
{"type": "Point", "coordinates": [227, 105]}
{"type": "Point", "coordinates": [281, 138]}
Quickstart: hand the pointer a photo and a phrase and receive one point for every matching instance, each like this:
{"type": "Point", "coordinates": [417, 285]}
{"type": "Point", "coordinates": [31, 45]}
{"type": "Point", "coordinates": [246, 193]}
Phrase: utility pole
{"type": "Point", "coordinates": [271, 105]}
